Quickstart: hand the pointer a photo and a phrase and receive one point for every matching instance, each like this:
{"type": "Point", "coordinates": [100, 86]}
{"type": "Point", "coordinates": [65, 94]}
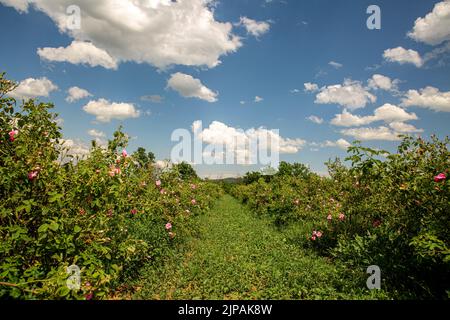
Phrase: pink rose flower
{"type": "Point", "coordinates": [440, 177]}
{"type": "Point", "coordinates": [117, 171]}
{"type": "Point", "coordinates": [319, 234]}
{"type": "Point", "coordinates": [124, 153]}
{"type": "Point", "coordinates": [134, 211]}
{"type": "Point", "coordinates": [341, 216]}
{"type": "Point", "coordinates": [313, 238]}
{"type": "Point", "coordinates": [193, 186]}
{"type": "Point", "coordinates": [32, 175]}
{"type": "Point", "coordinates": [329, 218]}
{"type": "Point", "coordinates": [168, 226]}
{"type": "Point", "coordinates": [89, 296]}
{"type": "Point", "coordinates": [12, 135]}
{"type": "Point", "coordinates": [158, 183]}
{"type": "Point", "coordinates": [194, 202]}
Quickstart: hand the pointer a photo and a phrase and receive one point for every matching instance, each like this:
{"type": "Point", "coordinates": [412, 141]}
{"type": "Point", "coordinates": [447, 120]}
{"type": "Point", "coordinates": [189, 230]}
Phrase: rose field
{"type": "Point", "coordinates": [137, 230]}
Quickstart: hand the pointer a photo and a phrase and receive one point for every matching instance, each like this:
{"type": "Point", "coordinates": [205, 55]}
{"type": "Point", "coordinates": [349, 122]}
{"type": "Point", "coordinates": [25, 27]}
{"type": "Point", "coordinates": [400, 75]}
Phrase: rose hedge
{"type": "Point", "coordinates": [104, 213]}
{"type": "Point", "coordinates": [390, 210]}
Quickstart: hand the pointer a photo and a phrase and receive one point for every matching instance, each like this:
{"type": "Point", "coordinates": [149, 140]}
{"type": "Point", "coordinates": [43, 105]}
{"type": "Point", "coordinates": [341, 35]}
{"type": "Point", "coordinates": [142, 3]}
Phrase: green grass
{"type": "Point", "coordinates": [239, 256]}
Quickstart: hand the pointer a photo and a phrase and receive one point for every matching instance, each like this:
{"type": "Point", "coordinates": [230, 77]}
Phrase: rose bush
{"type": "Point", "coordinates": [390, 210]}
{"type": "Point", "coordinates": [104, 213]}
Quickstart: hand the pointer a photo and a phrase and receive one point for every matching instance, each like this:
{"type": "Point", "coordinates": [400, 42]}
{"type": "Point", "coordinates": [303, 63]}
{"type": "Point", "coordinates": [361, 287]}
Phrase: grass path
{"type": "Point", "coordinates": [239, 256]}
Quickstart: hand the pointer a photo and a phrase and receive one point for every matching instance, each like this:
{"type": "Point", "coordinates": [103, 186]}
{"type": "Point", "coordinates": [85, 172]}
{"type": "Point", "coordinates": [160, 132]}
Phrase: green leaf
{"type": "Point", "coordinates": [54, 226]}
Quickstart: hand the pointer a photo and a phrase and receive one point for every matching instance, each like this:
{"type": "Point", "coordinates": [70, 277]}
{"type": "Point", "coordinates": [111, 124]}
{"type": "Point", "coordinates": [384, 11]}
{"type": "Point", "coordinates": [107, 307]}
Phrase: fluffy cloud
{"type": "Point", "coordinates": [159, 32]}
{"type": "Point", "coordinates": [189, 87]}
{"type": "Point", "coordinates": [19, 5]}
{"type": "Point", "coordinates": [238, 140]}
{"type": "Point", "coordinates": [32, 88]}
{"type": "Point", "coordinates": [402, 56]}
{"type": "Point", "coordinates": [434, 28]}
{"type": "Point", "coordinates": [255, 28]}
{"type": "Point", "coordinates": [387, 113]}
{"type": "Point", "coordinates": [404, 127]}
{"type": "Point", "coordinates": [379, 81]}
{"type": "Point", "coordinates": [365, 134]}
{"type": "Point", "coordinates": [79, 53]}
{"type": "Point", "coordinates": [105, 111]}
{"type": "Point", "coordinates": [341, 143]}
{"type": "Point", "coordinates": [335, 64]}
{"type": "Point", "coordinates": [75, 148]}
{"type": "Point", "coordinates": [96, 134]}
{"type": "Point", "coordinates": [429, 97]}
{"type": "Point", "coordinates": [315, 119]}
{"type": "Point", "coordinates": [311, 87]}
{"type": "Point", "coordinates": [76, 93]}
{"type": "Point", "coordinates": [350, 94]}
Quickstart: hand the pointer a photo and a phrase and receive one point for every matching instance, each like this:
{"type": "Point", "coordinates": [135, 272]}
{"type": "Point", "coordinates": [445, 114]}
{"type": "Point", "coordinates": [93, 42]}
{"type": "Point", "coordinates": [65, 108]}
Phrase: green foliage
{"type": "Point", "coordinates": [102, 212]}
{"type": "Point", "coordinates": [143, 157]}
{"type": "Point", "coordinates": [390, 210]}
{"type": "Point", "coordinates": [236, 256]}
{"type": "Point", "coordinates": [297, 170]}
{"type": "Point", "coordinates": [185, 171]}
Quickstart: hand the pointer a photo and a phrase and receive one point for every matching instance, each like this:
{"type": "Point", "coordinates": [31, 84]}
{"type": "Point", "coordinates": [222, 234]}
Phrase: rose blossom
{"type": "Point", "coordinates": [12, 135]}
{"type": "Point", "coordinates": [32, 175]}
{"type": "Point", "coordinates": [440, 177]}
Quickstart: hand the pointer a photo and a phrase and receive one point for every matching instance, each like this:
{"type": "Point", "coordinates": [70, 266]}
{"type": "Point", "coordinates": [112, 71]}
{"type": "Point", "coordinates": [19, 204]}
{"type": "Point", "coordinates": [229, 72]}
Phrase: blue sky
{"type": "Point", "coordinates": [267, 49]}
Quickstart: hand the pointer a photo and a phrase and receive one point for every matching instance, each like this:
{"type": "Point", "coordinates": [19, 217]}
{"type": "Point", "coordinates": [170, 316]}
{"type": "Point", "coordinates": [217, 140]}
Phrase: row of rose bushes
{"type": "Point", "coordinates": [390, 210]}
{"type": "Point", "coordinates": [105, 213]}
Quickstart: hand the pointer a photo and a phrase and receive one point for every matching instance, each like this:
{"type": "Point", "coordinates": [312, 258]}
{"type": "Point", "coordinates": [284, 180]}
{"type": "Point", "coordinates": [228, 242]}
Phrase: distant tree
{"type": "Point", "coordinates": [251, 177]}
{"type": "Point", "coordinates": [297, 170]}
{"type": "Point", "coordinates": [143, 157]}
{"type": "Point", "coordinates": [185, 171]}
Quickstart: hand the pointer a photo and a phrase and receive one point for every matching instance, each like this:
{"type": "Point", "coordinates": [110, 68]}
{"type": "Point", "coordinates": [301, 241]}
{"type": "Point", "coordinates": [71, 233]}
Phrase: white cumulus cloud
{"type": "Point", "coordinates": [388, 113]}
{"type": "Point", "coordinates": [315, 119]}
{"type": "Point", "coordinates": [189, 87]}
{"type": "Point", "coordinates": [365, 134]}
{"type": "Point", "coordinates": [311, 87]}
{"type": "Point", "coordinates": [402, 56]}
{"type": "Point", "coordinates": [76, 93]}
{"type": "Point", "coordinates": [350, 94]}
{"type": "Point", "coordinates": [105, 111]}
{"type": "Point", "coordinates": [33, 88]}
{"type": "Point", "coordinates": [429, 98]}
{"type": "Point", "coordinates": [253, 27]}
{"type": "Point", "coordinates": [434, 28]}
{"type": "Point", "coordinates": [79, 52]}
{"type": "Point", "coordinates": [96, 133]}
{"type": "Point", "coordinates": [382, 82]}
{"type": "Point", "coordinates": [158, 32]}
{"type": "Point", "coordinates": [238, 140]}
